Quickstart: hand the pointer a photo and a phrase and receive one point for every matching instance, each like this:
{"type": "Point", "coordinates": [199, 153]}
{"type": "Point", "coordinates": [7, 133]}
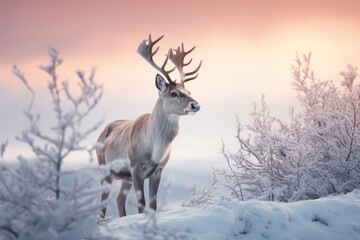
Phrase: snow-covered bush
{"type": "Point", "coordinates": [204, 195]}
{"type": "Point", "coordinates": [33, 202]}
{"type": "Point", "coordinates": [315, 154]}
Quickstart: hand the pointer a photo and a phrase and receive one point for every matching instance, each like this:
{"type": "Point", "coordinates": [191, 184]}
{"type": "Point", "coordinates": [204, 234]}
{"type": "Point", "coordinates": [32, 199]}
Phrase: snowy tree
{"type": "Point", "coordinates": [27, 211]}
{"type": "Point", "coordinates": [315, 154]}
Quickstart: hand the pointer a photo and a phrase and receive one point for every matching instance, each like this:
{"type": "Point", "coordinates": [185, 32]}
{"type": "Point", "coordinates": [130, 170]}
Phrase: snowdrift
{"type": "Point", "coordinates": [336, 217]}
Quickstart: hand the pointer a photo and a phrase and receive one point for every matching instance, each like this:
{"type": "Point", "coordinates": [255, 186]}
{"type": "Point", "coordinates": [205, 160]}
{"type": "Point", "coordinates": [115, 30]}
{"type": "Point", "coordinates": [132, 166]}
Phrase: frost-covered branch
{"type": "Point", "coordinates": [67, 134]}
{"type": "Point", "coordinates": [234, 174]}
{"type": "Point", "coordinates": [2, 149]}
{"type": "Point", "coordinates": [33, 202]}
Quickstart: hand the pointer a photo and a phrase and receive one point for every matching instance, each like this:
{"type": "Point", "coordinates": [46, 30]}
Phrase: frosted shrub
{"type": "Point", "coordinates": [315, 154]}
{"type": "Point", "coordinates": [26, 210]}
{"type": "Point", "coordinates": [203, 195]}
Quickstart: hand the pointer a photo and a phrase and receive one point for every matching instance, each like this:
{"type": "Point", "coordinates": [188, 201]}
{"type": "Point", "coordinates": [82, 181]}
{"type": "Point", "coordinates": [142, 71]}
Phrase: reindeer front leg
{"type": "Point", "coordinates": [154, 183]}
{"type": "Point", "coordinates": [138, 182]}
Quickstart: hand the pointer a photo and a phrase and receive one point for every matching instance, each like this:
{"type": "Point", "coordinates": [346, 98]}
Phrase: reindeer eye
{"type": "Point", "coordinates": [173, 94]}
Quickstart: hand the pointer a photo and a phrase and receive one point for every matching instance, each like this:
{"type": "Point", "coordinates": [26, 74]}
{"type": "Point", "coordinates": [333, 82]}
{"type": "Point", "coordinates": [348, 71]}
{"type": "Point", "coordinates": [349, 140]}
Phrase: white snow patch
{"type": "Point", "coordinates": [335, 217]}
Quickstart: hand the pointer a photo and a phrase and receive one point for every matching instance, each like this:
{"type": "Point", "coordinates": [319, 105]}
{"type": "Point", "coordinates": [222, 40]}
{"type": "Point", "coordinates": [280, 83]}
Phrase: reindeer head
{"type": "Point", "coordinates": [174, 97]}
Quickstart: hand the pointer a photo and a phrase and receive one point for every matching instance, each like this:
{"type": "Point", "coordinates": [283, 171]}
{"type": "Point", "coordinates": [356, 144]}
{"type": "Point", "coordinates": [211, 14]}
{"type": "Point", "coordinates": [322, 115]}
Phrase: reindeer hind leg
{"type": "Point", "coordinates": [121, 197]}
{"type": "Point", "coordinates": [105, 195]}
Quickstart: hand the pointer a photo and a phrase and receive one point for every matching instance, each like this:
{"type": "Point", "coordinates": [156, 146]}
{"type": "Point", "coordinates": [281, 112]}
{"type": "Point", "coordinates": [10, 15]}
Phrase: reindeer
{"type": "Point", "coordinates": [144, 144]}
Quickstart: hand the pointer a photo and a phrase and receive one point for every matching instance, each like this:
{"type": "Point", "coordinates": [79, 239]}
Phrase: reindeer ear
{"type": "Point", "coordinates": [160, 83]}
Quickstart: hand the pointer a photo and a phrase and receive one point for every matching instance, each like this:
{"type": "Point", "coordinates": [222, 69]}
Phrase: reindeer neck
{"type": "Point", "coordinates": [163, 126]}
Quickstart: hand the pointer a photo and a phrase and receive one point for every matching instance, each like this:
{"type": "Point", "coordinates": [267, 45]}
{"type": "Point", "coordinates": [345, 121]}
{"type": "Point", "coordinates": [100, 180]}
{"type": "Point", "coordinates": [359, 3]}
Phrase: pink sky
{"type": "Point", "coordinates": [108, 27]}
{"type": "Point", "coordinates": [247, 48]}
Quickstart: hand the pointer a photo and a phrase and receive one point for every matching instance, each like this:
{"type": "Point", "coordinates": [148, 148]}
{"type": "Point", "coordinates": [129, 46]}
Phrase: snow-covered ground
{"type": "Point", "coordinates": [336, 217]}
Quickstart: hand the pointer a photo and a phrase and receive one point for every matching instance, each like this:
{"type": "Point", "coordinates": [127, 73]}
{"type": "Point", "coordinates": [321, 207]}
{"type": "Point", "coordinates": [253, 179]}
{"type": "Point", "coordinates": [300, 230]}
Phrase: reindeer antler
{"type": "Point", "coordinates": [145, 50]}
{"type": "Point", "coordinates": [178, 60]}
